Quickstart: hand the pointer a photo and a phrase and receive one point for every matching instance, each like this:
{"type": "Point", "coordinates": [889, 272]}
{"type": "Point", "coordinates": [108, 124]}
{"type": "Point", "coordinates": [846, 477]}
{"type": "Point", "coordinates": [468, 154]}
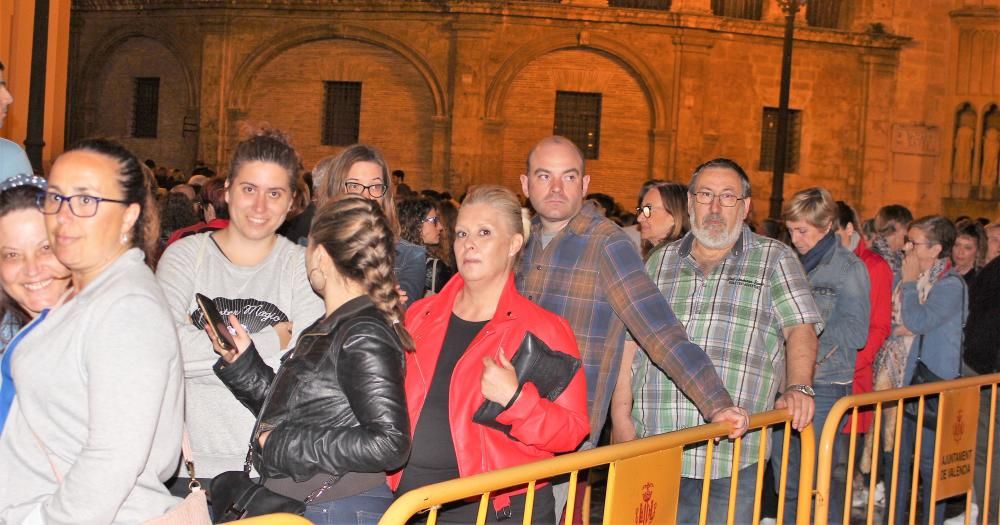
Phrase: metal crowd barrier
{"type": "Point", "coordinates": [955, 466]}
{"type": "Point", "coordinates": [636, 463]}
{"type": "Point", "coordinates": [274, 519]}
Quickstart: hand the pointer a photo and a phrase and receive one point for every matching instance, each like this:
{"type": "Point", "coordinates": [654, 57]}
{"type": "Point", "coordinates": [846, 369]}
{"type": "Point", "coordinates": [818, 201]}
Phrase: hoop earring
{"type": "Point", "coordinates": [315, 285]}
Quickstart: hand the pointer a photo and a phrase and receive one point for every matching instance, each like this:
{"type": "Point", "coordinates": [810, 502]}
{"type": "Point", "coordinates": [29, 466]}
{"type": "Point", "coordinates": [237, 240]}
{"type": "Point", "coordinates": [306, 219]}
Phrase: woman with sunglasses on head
{"type": "Point", "coordinates": [362, 170]}
{"type": "Point", "coordinates": [248, 270]}
{"type": "Point", "coordinates": [97, 423]}
{"type": "Point", "coordinates": [421, 224]}
{"type": "Point", "coordinates": [663, 218]}
{"type": "Point", "coordinates": [31, 278]}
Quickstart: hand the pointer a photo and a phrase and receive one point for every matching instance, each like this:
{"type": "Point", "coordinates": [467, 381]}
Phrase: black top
{"type": "Point", "coordinates": [970, 277]}
{"type": "Point", "coordinates": [982, 331]}
{"type": "Point", "coordinates": [432, 458]}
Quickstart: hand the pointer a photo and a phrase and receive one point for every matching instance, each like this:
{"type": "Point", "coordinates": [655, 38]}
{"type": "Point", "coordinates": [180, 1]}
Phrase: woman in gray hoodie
{"type": "Point", "coordinates": [96, 426]}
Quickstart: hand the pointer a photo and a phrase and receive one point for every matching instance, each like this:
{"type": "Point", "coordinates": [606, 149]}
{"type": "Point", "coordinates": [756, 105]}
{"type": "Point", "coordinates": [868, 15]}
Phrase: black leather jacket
{"type": "Point", "coordinates": [337, 403]}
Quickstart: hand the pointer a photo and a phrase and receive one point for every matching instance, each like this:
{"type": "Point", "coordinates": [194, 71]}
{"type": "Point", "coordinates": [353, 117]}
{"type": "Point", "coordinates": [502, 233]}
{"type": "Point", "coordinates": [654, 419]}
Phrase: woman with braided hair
{"type": "Point", "coordinates": [335, 411]}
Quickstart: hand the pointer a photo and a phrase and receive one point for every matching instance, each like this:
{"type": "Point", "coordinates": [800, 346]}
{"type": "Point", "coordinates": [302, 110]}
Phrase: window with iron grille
{"type": "Point", "coordinates": [145, 107]}
{"type": "Point", "coordinates": [660, 5]}
{"type": "Point", "coordinates": [769, 139]}
{"type": "Point", "coordinates": [342, 113]}
{"type": "Point", "coordinates": [824, 13]}
{"type": "Point", "coordinates": [578, 118]}
{"type": "Point", "coordinates": [749, 9]}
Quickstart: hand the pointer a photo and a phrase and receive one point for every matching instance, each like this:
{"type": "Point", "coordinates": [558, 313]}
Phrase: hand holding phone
{"type": "Point", "coordinates": [215, 325]}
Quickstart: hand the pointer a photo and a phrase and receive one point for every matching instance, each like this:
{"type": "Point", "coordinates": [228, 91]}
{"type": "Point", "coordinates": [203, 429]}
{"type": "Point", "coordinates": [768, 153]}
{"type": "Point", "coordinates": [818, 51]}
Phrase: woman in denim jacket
{"type": "Point", "coordinates": [841, 288]}
{"type": "Point", "coordinates": [933, 307]}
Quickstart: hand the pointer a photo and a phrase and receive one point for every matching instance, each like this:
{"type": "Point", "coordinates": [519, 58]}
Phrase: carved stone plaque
{"type": "Point", "coordinates": [916, 139]}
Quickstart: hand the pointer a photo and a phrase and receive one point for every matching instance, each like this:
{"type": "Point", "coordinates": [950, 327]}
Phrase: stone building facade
{"type": "Point", "coordinates": [895, 99]}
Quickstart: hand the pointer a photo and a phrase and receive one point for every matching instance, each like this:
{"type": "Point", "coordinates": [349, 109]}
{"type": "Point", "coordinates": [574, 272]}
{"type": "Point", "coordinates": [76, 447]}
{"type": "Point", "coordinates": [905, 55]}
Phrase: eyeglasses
{"type": "Point", "coordinates": [81, 205]}
{"type": "Point", "coordinates": [727, 200]}
{"type": "Point", "coordinates": [907, 240]}
{"type": "Point", "coordinates": [375, 190]}
{"type": "Point", "coordinates": [647, 209]}
{"type": "Point", "coordinates": [433, 220]}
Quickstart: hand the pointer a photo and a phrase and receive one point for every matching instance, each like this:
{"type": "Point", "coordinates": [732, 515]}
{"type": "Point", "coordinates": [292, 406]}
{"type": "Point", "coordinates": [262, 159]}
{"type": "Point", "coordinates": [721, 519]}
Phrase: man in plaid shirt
{"type": "Point", "coordinates": [581, 266]}
{"type": "Point", "coordinates": [746, 300]}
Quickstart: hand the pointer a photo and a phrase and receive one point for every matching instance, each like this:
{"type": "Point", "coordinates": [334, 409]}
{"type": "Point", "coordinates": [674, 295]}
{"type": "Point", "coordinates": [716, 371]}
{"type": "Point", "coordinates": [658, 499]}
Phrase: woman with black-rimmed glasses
{"type": "Point", "coordinates": [96, 426]}
{"type": "Point", "coordinates": [421, 224]}
{"type": "Point", "coordinates": [662, 215]}
{"type": "Point", "coordinates": [362, 170]}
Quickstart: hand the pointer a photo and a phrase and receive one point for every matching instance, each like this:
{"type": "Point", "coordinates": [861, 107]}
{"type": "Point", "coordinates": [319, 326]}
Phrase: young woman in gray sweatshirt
{"type": "Point", "coordinates": [248, 271]}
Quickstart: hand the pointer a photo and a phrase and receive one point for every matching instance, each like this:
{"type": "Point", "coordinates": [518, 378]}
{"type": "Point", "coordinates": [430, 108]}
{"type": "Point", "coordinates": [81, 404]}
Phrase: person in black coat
{"type": "Point", "coordinates": [336, 409]}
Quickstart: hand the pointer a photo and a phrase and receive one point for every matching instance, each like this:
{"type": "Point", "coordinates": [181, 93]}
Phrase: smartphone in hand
{"type": "Point", "coordinates": [215, 323]}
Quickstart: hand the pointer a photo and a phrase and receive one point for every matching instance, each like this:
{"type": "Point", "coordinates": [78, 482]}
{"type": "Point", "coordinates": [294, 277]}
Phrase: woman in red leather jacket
{"type": "Point", "coordinates": [464, 338]}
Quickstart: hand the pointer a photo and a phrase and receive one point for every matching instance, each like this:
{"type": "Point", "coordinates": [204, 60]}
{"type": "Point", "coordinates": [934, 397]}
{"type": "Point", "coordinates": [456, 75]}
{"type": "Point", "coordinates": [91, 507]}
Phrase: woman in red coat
{"type": "Point", "coordinates": [465, 337]}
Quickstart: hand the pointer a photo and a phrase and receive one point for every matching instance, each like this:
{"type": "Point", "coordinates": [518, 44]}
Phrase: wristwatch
{"type": "Point", "coordinates": [805, 389]}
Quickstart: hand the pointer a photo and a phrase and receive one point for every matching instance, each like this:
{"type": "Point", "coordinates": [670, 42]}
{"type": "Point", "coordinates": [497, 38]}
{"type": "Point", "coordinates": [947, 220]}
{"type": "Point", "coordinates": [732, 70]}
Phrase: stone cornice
{"type": "Point", "coordinates": [550, 10]}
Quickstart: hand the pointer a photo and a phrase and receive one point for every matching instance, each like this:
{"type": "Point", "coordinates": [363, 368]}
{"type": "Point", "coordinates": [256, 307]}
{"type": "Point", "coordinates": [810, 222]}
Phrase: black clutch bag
{"type": "Point", "coordinates": [549, 370]}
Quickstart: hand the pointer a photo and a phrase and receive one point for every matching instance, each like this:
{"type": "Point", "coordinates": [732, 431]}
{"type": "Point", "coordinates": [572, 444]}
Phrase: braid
{"type": "Point", "coordinates": [380, 281]}
{"type": "Point", "coordinates": [356, 234]}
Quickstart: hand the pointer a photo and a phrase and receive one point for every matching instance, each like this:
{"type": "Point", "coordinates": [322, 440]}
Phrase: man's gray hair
{"type": "Point", "coordinates": [723, 163]}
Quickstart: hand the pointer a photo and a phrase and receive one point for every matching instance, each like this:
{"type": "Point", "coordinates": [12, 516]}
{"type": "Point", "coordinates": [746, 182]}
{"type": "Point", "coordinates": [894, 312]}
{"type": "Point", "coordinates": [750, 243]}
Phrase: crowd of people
{"type": "Point", "coordinates": [375, 338]}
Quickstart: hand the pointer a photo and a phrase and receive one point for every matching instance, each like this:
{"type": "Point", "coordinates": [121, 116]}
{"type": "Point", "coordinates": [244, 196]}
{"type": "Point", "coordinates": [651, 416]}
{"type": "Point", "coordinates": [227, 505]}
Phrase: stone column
{"type": "Point", "coordinates": [467, 83]}
{"type": "Point", "coordinates": [701, 7]}
{"type": "Point", "coordinates": [873, 178]}
{"type": "Point", "coordinates": [661, 150]}
{"type": "Point", "coordinates": [213, 119]}
{"type": "Point", "coordinates": [688, 99]}
{"type": "Point", "coordinates": [440, 147]}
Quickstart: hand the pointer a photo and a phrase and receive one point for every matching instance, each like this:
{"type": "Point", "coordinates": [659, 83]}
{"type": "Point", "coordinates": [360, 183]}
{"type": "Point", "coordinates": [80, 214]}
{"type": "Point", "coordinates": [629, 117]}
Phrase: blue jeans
{"type": "Point", "coordinates": [362, 509]}
{"type": "Point", "coordinates": [689, 500]}
{"type": "Point", "coordinates": [826, 396]}
{"type": "Point", "coordinates": [907, 444]}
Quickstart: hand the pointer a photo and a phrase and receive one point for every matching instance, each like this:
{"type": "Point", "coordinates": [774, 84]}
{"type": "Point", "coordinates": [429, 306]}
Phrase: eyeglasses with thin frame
{"type": "Point", "coordinates": [375, 190]}
{"type": "Point", "coordinates": [727, 200]}
{"type": "Point", "coordinates": [646, 210]}
{"type": "Point", "coordinates": [907, 240]}
{"type": "Point", "coordinates": [82, 205]}
{"type": "Point", "coordinates": [433, 220]}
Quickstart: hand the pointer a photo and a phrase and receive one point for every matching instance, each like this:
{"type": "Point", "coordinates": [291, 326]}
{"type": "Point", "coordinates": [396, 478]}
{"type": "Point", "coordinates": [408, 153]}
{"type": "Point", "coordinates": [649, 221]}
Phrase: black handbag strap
{"type": "Point", "coordinates": [248, 463]}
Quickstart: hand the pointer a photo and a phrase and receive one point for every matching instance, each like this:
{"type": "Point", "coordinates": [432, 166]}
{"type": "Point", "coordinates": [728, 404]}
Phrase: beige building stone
{"type": "Point", "coordinates": [456, 92]}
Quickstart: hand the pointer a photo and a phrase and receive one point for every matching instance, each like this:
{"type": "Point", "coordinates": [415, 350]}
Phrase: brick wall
{"type": "Point", "coordinates": [396, 106]}
{"type": "Point", "coordinates": [529, 112]}
{"type": "Point", "coordinates": [144, 57]}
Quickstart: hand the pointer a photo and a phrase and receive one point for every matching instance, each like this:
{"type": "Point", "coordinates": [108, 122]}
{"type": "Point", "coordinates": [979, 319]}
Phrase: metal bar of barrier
{"type": "Point", "coordinates": [433, 496]}
{"type": "Point", "coordinates": [878, 400]}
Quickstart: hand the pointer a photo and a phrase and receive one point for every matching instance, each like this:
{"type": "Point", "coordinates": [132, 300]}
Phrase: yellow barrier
{"type": "Point", "coordinates": [274, 519]}
{"type": "Point", "coordinates": [481, 486]}
{"type": "Point", "coordinates": [955, 436]}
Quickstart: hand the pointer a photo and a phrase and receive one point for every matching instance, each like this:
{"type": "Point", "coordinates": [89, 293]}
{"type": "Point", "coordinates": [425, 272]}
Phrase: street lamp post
{"type": "Point", "coordinates": [791, 8]}
{"type": "Point", "coordinates": [34, 143]}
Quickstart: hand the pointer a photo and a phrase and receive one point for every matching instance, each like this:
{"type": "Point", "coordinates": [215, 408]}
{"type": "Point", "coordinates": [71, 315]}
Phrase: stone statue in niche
{"type": "Point", "coordinates": [961, 170]}
{"type": "Point", "coordinates": [991, 150]}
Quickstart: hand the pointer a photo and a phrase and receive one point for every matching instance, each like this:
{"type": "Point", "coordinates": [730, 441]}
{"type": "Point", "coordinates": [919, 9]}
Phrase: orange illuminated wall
{"type": "Point", "coordinates": [16, 24]}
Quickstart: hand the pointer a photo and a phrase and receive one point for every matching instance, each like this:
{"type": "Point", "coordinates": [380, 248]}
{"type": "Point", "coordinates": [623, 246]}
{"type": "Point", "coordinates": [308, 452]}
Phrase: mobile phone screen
{"type": "Point", "coordinates": [215, 322]}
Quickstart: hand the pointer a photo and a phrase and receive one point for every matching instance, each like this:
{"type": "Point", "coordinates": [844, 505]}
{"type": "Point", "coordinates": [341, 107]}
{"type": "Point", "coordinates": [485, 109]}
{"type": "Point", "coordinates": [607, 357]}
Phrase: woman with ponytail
{"type": "Point", "coordinates": [335, 410]}
{"type": "Point", "coordinates": [96, 426]}
{"type": "Point", "coordinates": [466, 337]}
